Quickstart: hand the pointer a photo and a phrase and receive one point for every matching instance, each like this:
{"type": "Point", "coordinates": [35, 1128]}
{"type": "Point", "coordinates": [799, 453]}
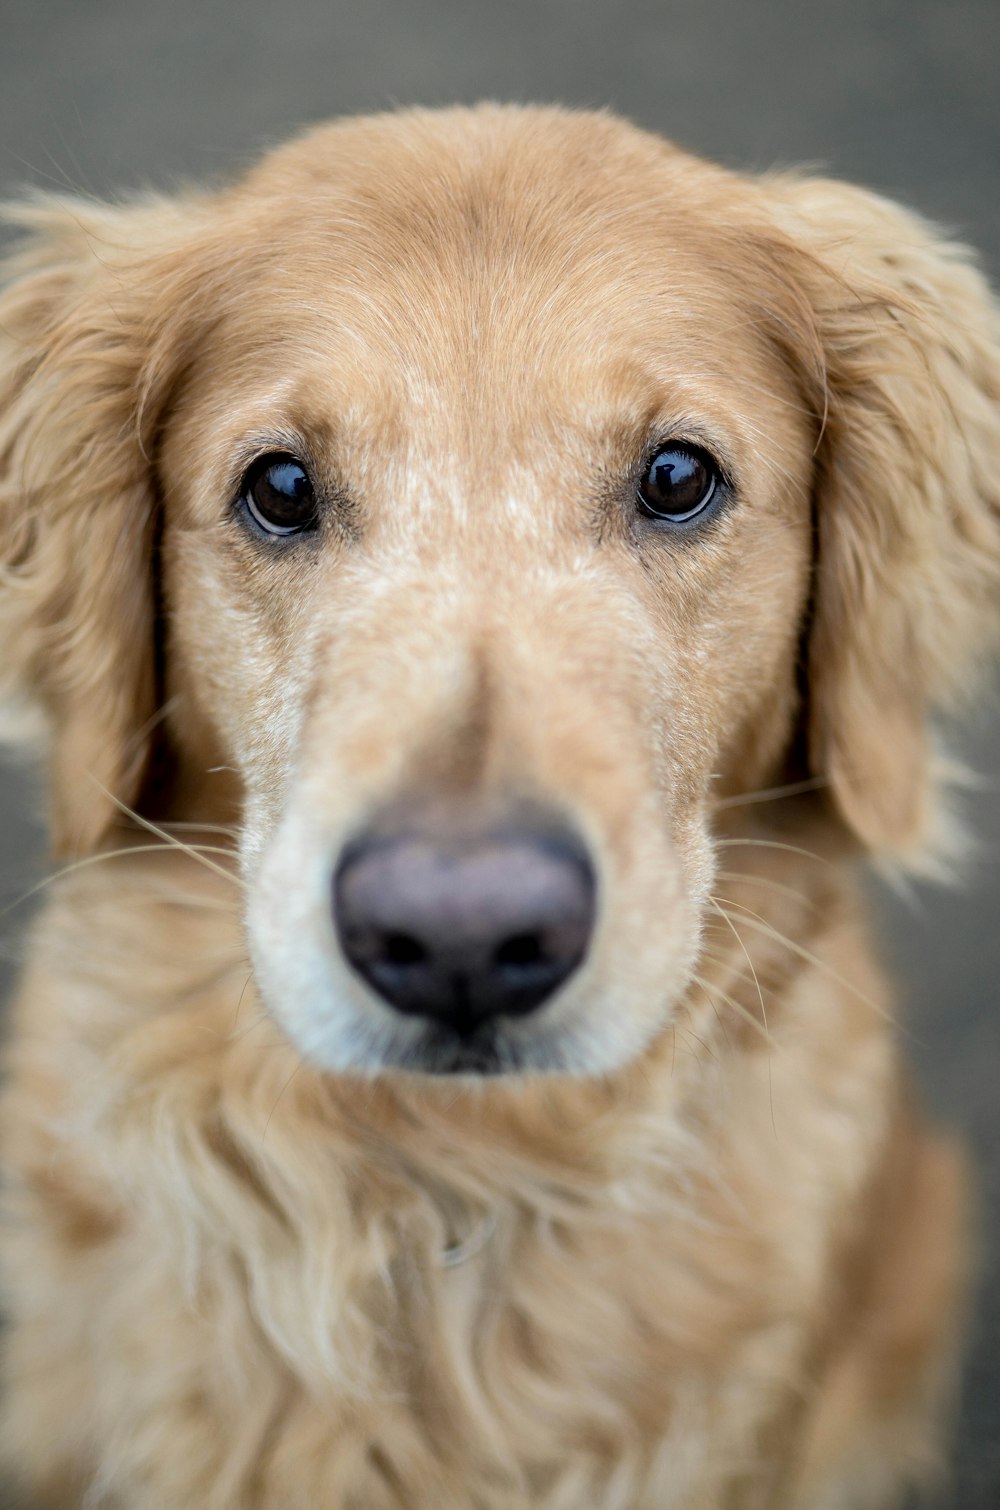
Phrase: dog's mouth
{"type": "Point", "coordinates": [482, 1053]}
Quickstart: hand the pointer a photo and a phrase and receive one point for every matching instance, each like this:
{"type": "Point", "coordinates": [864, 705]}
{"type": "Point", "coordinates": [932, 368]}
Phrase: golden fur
{"type": "Point", "coordinates": [715, 1262]}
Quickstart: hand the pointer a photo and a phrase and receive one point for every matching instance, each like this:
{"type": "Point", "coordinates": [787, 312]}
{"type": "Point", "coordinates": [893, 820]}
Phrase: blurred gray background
{"type": "Point", "coordinates": [104, 95]}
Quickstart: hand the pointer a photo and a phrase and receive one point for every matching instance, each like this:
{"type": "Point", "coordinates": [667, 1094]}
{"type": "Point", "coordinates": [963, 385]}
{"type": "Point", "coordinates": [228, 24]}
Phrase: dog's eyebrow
{"type": "Point", "coordinates": [660, 412]}
{"type": "Point", "coordinates": [665, 422]}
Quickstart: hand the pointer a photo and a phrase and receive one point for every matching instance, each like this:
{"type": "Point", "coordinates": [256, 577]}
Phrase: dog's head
{"type": "Point", "coordinates": [471, 501]}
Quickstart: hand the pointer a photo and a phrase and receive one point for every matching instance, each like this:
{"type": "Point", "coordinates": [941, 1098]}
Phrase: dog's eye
{"type": "Point", "coordinates": [680, 481]}
{"type": "Point", "coordinates": [279, 495]}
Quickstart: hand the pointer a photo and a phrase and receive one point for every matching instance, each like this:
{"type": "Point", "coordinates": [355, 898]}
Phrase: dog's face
{"type": "Point", "coordinates": [491, 608]}
{"type": "Point", "coordinates": [491, 453]}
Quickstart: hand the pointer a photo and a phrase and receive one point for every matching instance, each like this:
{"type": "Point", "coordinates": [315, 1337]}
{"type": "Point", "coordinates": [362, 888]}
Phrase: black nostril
{"type": "Point", "coordinates": [522, 950]}
{"type": "Point", "coordinates": [403, 949]}
{"type": "Point", "coordinates": [459, 922]}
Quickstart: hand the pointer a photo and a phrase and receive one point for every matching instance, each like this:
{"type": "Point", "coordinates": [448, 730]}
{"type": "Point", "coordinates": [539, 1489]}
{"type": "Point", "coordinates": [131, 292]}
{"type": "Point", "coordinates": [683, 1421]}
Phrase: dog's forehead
{"type": "Point", "coordinates": [491, 248]}
{"type": "Point", "coordinates": [531, 290]}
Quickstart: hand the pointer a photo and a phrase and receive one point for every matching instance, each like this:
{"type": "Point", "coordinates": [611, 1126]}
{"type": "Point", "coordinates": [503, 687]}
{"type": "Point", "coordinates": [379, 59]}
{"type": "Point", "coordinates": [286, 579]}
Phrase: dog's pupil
{"type": "Point", "coordinates": [678, 482]}
{"type": "Point", "coordinates": [285, 490]}
{"type": "Point", "coordinates": [281, 495]}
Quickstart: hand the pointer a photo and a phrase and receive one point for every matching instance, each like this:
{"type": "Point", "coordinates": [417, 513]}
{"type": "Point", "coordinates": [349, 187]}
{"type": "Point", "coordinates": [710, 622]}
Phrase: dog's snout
{"type": "Point", "coordinates": [461, 924]}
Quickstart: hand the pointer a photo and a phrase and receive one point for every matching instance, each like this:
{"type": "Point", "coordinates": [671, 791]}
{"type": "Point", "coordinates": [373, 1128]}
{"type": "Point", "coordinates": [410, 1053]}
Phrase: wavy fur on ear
{"type": "Point", "coordinates": [82, 364]}
{"type": "Point", "coordinates": [907, 592]}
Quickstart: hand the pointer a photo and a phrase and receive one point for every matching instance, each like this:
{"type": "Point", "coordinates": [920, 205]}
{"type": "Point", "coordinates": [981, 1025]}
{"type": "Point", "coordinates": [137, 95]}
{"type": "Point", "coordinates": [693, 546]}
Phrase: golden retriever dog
{"type": "Point", "coordinates": [486, 581]}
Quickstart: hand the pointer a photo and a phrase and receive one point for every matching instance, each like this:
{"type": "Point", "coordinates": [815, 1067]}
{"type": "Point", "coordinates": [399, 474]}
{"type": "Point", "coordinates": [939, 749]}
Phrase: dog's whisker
{"type": "Point", "coordinates": [763, 1010]}
{"type": "Point", "coordinates": [753, 920]}
{"type": "Point", "coordinates": [282, 1091]}
{"type": "Point", "coordinates": [236, 1035]}
{"type": "Point", "coordinates": [775, 793]}
{"type": "Point", "coordinates": [690, 1033]}
{"type": "Point", "coordinates": [753, 971]}
{"type": "Point", "coordinates": [712, 989]}
{"type": "Point", "coordinates": [239, 1004]}
{"type": "Point", "coordinates": [778, 887]}
{"type": "Point", "coordinates": [792, 849]}
{"type": "Point", "coordinates": [196, 852]}
{"type": "Point", "coordinates": [89, 860]}
{"type": "Point", "coordinates": [229, 829]}
{"type": "Point", "coordinates": [720, 1021]}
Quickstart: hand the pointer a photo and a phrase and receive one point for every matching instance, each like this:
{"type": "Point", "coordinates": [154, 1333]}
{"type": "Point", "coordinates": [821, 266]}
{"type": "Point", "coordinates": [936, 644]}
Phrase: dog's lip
{"type": "Point", "coordinates": [441, 1052]}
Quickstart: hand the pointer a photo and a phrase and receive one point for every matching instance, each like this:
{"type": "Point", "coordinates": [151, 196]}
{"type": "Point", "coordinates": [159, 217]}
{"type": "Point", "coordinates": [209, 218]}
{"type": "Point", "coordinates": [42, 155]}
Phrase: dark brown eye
{"type": "Point", "coordinates": [279, 495]}
{"type": "Point", "coordinates": [680, 481]}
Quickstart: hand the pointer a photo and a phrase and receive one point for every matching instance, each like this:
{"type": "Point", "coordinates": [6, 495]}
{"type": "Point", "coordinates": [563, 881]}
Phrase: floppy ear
{"type": "Point", "coordinates": [82, 370]}
{"type": "Point", "coordinates": [907, 589]}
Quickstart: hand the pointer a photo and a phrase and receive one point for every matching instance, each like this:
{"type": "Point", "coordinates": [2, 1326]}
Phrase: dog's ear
{"type": "Point", "coordinates": [84, 364]}
{"type": "Point", "coordinates": [902, 339]}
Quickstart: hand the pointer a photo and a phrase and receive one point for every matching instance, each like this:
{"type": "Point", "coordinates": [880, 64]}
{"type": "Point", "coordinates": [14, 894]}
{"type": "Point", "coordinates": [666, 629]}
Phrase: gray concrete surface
{"type": "Point", "coordinates": [104, 94]}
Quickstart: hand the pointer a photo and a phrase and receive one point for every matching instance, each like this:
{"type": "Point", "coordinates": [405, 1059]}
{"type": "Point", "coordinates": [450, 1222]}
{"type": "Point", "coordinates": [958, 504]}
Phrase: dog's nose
{"type": "Point", "coordinates": [459, 924]}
